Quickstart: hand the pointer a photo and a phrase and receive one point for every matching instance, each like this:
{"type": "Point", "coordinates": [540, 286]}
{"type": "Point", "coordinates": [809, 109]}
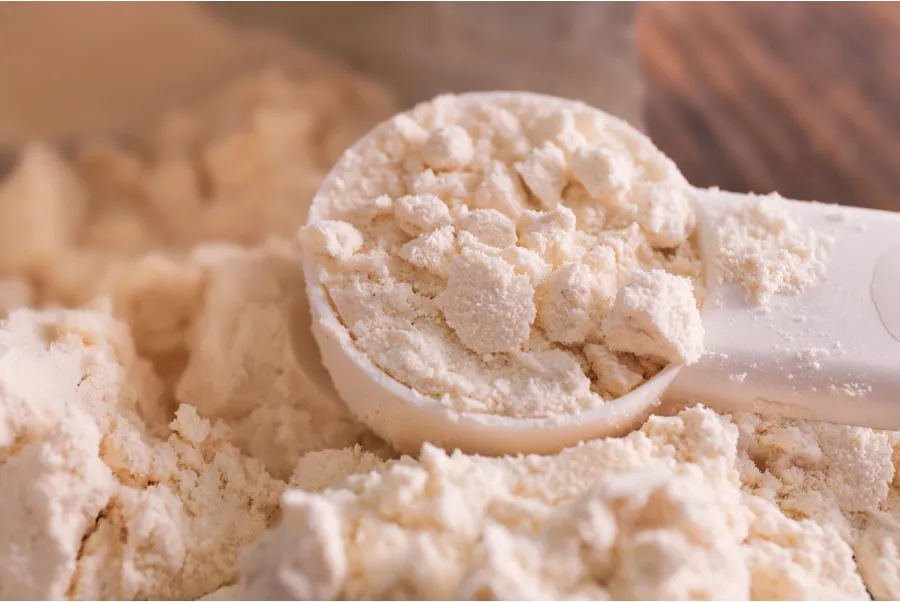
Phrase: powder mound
{"type": "Point", "coordinates": [140, 456]}
{"type": "Point", "coordinates": [145, 441]}
{"type": "Point", "coordinates": [113, 512]}
{"type": "Point", "coordinates": [506, 228]}
{"type": "Point", "coordinates": [54, 490]}
{"type": "Point", "coordinates": [659, 514]}
{"type": "Point", "coordinates": [217, 320]}
{"type": "Point", "coordinates": [765, 251]}
{"type": "Point", "coordinates": [117, 220]}
{"type": "Point", "coordinates": [836, 487]}
{"type": "Point", "coordinates": [252, 361]}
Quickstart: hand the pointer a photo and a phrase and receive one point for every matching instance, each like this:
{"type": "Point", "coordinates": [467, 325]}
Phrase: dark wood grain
{"type": "Point", "coordinates": [798, 98]}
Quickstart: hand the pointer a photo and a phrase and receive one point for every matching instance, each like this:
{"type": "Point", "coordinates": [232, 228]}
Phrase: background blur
{"type": "Point", "coordinates": [799, 98]}
{"type": "Point", "coordinates": [802, 98]}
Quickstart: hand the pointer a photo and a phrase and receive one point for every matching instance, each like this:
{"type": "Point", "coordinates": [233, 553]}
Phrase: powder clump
{"type": "Point", "coordinates": [486, 303]}
{"type": "Point", "coordinates": [655, 315]}
{"type": "Point", "coordinates": [765, 251]}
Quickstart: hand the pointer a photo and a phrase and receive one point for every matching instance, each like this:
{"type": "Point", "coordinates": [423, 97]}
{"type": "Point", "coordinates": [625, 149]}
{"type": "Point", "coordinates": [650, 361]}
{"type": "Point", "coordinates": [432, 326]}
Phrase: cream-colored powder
{"type": "Point", "coordinates": [125, 222]}
{"type": "Point", "coordinates": [247, 362]}
{"type": "Point", "coordinates": [476, 282]}
{"type": "Point", "coordinates": [765, 251]}
{"type": "Point", "coordinates": [788, 509]}
{"type": "Point", "coordinates": [108, 493]}
{"type": "Point", "coordinates": [97, 507]}
{"type": "Point", "coordinates": [109, 510]}
{"type": "Point", "coordinates": [112, 494]}
{"type": "Point", "coordinates": [121, 221]}
{"type": "Point", "coordinates": [840, 481]}
{"type": "Point", "coordinates": [655, 315]}
{"type": "Point", "coordinates": [660, 514]}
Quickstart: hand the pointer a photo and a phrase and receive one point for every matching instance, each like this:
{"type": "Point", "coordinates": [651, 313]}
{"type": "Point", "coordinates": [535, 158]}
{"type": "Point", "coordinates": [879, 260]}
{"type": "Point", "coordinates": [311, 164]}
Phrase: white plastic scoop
{"type": "Point", "coordinates": [831, 353]}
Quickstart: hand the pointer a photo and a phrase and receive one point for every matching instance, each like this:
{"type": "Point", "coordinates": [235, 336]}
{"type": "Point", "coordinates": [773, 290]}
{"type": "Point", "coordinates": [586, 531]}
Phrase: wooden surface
{"type": "Point", "coordinates": [803, 99]}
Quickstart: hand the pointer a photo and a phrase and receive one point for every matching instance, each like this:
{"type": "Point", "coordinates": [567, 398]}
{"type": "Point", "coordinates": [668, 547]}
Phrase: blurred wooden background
{"type": "Point", "coordinates": [799, 98]}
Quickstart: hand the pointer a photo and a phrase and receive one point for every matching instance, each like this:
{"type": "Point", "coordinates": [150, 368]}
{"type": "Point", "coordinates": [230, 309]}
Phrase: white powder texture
{"type": "Point", "coordinates": [628, 518]}
{"type": "Point", "coordinates": [544, 173]}
{"type": "Point", "coordinates": [660, 514]}
{"type": "Point", "coordinates": [252, 361]}
{"type": "Point", "coordinates": [839, 484]}
{"type": "Point", "coordinates": [116, 489]}
{"type": "Point", "coordinates": [765, 251]}
{"type": "Point", "coordinates": [320, 470]}
{"type": "Point", "coordinates": [488, 305]}
{"type": "Point", "coordinates": [604, 173]}
{"type": "Point", "coordinates": [476, 283]}
{"type": "Point", "coordinates": [120, 218]}
{"type": "Point", "coordinates": [655, 315]}
{"type": "Point", "coordinates": [877, 551]}
{"type": "Point", "coordinates": [146, 440]}
{"type": "Point", "coordinates": [339, 239]}
{"type": "Point", "coordinates": [612, 374]}
{"type": "Point", "coordinates": [54, 489]}
{"type": "Point", "coordinates": [490, 227]}
{"type": "Point", "coordinates": [97, 507]}
{"type": "Point", "coordinates": [578, 296]}
{"type": "Point", "coordinates": [433, 251]}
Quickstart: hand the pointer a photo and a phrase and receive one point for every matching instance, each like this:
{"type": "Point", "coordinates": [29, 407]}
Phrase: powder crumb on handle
{"type": "Point", "coordinates": [765, 251]}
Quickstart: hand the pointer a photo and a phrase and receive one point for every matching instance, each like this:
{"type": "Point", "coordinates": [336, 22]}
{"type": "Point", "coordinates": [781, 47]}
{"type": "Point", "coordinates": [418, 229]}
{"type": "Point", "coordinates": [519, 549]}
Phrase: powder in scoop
{"type": "Point", "coordinates": [476, 246]}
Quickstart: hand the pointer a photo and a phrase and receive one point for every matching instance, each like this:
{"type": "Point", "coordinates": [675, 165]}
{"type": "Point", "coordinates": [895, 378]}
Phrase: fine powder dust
{"type": "Point", "coordinates": [152, 434]}
{"type": "Point", "coordinates": [527, 257]}
{"type": "Point", "coordinates": [766, 252]}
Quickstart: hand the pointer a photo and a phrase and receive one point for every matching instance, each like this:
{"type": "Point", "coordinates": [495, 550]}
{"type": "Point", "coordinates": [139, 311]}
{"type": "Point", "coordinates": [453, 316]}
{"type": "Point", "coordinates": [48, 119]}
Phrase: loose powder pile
{"type": "Point", "coordinates": [117, 484]}
{"type": "Point", "coordinates": [527, 257]}
{"type": "Point", "coordinates": [167, 431]}
{"type": "Point", "coordinates": [762, 249]}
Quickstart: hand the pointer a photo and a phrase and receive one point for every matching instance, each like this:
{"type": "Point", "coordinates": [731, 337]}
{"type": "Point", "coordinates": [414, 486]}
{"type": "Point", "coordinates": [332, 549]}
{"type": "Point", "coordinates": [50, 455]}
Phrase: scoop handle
{"type": "Point", "coordinates": [831, 353]}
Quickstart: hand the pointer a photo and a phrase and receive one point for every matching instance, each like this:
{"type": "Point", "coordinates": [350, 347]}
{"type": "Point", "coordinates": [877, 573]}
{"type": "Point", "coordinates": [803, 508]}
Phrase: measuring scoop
{"type": "Point", "coordinates": [829, 353]}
